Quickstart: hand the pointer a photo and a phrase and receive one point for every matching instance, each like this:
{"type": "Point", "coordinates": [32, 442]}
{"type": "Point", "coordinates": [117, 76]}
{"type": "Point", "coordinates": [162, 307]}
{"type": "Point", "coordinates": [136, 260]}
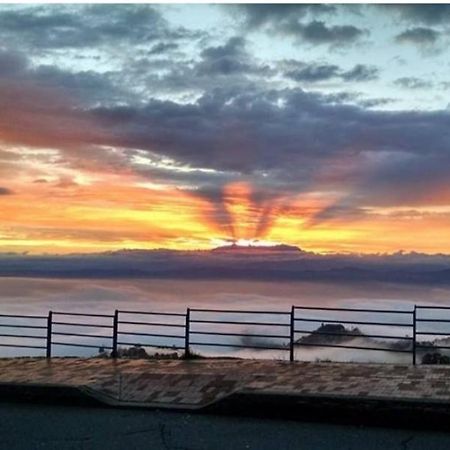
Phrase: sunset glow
{"type": "Point", "coordinates": [197, 139]}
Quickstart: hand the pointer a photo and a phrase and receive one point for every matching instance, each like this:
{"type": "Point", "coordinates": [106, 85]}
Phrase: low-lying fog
{"type": "Point", "coordinates": [37, 296]}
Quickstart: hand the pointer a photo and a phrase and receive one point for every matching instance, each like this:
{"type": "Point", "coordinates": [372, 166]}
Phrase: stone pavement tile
{"type": "Point", "coordinates": [202, 381]}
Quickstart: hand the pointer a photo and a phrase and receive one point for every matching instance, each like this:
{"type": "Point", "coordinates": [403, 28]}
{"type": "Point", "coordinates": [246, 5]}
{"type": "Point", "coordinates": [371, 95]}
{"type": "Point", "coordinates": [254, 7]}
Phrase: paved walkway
{"type": "Point", "coordinates": [197, 383]}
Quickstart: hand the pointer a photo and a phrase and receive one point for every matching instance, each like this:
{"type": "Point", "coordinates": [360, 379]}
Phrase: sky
{"type": "Point", "coordinates": [192, 126]}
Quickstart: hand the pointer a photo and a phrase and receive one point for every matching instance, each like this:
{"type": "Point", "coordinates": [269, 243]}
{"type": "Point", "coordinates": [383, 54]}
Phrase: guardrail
{"type": "Point", "coordinates": [355, 333]}
{"type": "Point", "coordinates": [212, 316]}
{"type": "Point", "coordinates": [421, 317]}
{"type": "Point", "coordinates": [37, 323]}
{"type": "Point", "coordinates": [69, 326]}
{"type": "Point", "coordinates": [303, 326]}
{"type": "Point", "coordinates": [153, 327]}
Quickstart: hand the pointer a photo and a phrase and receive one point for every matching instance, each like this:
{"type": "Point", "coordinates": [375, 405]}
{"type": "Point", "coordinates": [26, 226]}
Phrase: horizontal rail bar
{"type": "Point", "coordinates": [432, 307]}
{"type": "Point", "coordinates": [385, 311]}
{"type": "Point", "coordinates": [154, 313]}
{"type": "Point", "coordinates": [354, 322]}
{"type": "Point", "coordinates": [24, 336]}
{"type": "Point", "coordinates": [436, 347]}
{"type": "Point", "coordinates": [81, 345]}
{"type": "Point", "coordinates": [214, 344]}
{"type": "Point", "coordinates": [19, 316]}
{"type": "Point", "coordinates": [170, 347]}
{"type": "Point", "coordinates": [326, 333]}
{"type": "Point", "coordinates": [22, 346]}
{"type": "Point", "coordinates": [433, 320]}
{"type": "Point", "coordinates": [215, 333]}
{"type": "Point", "coordinates": [155, 324]}
{"type": "Point", "coordinates": [83, 315]}
{"type": "Point", "coordinates": [240, 323]}
{"type": "Point", "coordinates": [236, 311]}
{"type": "Point", "coordinates": [436, 333]}
{"type": "Point", "coordinates": [35, 327]}
{"type": "Point", "coordinates": [58, 333]}
{"type": "Point", "coordinates": [94, 325]}
{"type": "Point", "coordinates": [152, 335]}
{"type": "Point", "coordinates": [352, 347]}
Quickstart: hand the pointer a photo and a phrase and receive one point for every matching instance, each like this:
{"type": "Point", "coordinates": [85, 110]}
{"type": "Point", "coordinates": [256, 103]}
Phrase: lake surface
{"type": "Point", "coordinates": [38, 296]}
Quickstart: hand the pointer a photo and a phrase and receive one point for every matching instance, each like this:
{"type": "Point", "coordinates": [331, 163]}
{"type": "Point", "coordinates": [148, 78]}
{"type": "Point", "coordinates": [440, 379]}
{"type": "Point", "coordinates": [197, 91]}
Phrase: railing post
{"type": "Point", "coordinates": [414, 334]}
{"type": "Point", "coordinates": [186, 336]}
{"type": "Point", "coordinates": [49, 335]}
{"type": "Point", "coordinates": [115, 332]}
{"type": "Point", "coordinates": [292, 335]}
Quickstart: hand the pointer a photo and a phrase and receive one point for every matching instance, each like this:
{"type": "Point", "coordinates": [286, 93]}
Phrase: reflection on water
{"type": "Point", "coordinates": [37, 296]}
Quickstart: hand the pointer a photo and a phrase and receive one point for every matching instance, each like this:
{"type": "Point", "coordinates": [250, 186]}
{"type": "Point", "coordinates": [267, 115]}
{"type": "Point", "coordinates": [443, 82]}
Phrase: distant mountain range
{"type": "Point", "coordinates": [279, 248]}
{"type": "Point", "coordinates": [279, 262]}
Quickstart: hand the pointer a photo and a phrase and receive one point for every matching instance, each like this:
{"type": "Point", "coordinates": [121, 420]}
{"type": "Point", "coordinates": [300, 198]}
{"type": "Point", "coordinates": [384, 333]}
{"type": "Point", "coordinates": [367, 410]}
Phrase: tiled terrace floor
{"type": "Point", "coordinates": [197, 383]}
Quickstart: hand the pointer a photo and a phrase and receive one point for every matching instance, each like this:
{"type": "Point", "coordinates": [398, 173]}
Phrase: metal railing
{"type": "Point", "coordinates": [303, 326]}
{"type": "Point", "coordinates": [438, 323]}
{"type": "Point", "coordinates": [340, 338]}
{"type": "Point", "coordinates": [254, 340]}
{"type": "Point", "coordinates": [151, 329]}
{"type": "Point", "coordinates": [33, 323]}
{"type": "Point", "coordinates": [68, 326]}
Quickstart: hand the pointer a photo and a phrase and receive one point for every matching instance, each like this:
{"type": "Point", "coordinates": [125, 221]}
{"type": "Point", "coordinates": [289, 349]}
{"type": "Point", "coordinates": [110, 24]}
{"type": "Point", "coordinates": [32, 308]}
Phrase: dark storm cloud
{"type": "Point", "coordinates": [361, 72]}
{"type": "Point", "coordinates": [12, 63]}
{"type": "Point", "coordinates": [375, 102]}
{"type": "Point", "coordinates": [228, 66]}
{"type": "Point", "coordinates": [418, 36]}
{"type": "Point", "coordinates": [318, 32]}
{"type": "Point", "coordinates": [313, 72]}
{"type": "Point", "coordinates": [68, 26]}
{"type": "Point", "coordinates": [257, 15]}
{"type": "Point", "coordinates": [235, 130]}
{"type": "Point", "coordinates": [250, 133]}
{"type": "Point", "coordinates": [413, 83]}
{"type": "Point", "coordinates": [162, 48]}
{"type": "Point", "coordinates": [5, 191]}
{"type": "Point", "coordinates": [295, 20]}
{"type": "Point", "coordinates": [238, 123]}
{"type": "Point", "coordinates": [430, 14]}
{"type": "Point", "coordinates": [88, 87]}
{"type": "Point", "coordinates": [231, 58]}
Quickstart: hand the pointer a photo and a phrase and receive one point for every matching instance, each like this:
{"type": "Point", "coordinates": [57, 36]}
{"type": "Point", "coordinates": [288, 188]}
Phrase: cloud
{"type": "Point", "coordinates": [292, 20]}
{"type": "Point", "coordinates": [240, 124]}
{"type": "Point", "coordinates": [317, 32]}
{"type": "Point", "coordinates": [314, 72]}
{"type": "Point", "coordinates": [361, 72]}
{"type": "Point", "coordinates": [411, 268]}
{"type": "Point", "coordinates": [163, 47]}
{"type": "Point", "coordinates": [257, 15]}
{"type": "Point", "coordinates": [5, 191]}
{"type": "Point", "coordinates": [430, 14]}
{"type": "Point", "coordinates": [419, 36]}
{"type": "Point", "coordinates": [70, 26]}
{"type": "Point", "coordinates": [231, 58]}
{"type": "Point", "coordinates": [413, 83]}
{"type": "Point", "coordinates": [311, 72]}
{"type": "Point", "coordinates": [273, 137]}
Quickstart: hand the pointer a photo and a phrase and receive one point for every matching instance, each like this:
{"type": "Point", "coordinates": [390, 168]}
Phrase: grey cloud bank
{"type": "Point", "coordinates": [253, 264]}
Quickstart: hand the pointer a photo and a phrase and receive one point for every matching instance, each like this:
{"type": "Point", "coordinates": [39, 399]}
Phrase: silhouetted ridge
{"type": "Point", "coordinates": [258, 248]}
